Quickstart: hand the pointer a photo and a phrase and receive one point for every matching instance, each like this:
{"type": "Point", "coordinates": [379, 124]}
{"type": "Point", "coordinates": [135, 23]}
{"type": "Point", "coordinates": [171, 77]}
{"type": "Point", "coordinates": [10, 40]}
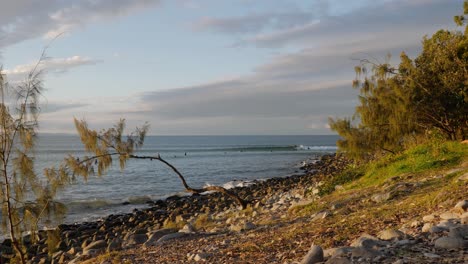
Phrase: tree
{"type": "Point", "coordinates": [397, 103]}
{"type": "Point", "coordinates": [25, 196]}
{"type": "Point", "coordinates": [109, 144]}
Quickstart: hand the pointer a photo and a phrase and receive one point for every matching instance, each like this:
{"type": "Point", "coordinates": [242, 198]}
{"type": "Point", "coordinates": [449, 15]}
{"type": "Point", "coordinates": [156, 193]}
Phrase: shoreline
{"type": "Point", "coordinates": [74, 237]}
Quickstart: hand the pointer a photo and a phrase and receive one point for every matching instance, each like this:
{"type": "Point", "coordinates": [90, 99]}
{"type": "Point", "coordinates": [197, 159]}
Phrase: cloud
{"type": "Point", "coordinates": [50, 65]}
{"type": "Point", "coordinates": [51, 107]}
{"type": "Point", "coordinates": [25, 19]}
{"type": "Point", "coordinates": [371, 22]}
{"type": "Point", "coordinates": [254, 23]}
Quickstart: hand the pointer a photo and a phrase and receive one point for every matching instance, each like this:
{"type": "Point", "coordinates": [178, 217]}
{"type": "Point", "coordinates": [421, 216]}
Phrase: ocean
{"type": "Point", "coordinates": [220, 160]}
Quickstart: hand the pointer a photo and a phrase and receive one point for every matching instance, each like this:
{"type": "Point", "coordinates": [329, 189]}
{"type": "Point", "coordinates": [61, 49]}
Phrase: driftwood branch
{"type": "Point", "coordinates": [220, 189]}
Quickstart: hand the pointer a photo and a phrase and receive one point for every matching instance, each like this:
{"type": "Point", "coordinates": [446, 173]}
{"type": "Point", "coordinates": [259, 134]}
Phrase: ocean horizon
{"type": "Point", "coordinates": [203, 160]}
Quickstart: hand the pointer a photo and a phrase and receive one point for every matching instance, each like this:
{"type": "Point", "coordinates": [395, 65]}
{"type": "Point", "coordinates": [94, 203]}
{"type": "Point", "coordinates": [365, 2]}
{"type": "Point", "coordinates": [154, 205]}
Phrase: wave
{"type": "Point", "coordinates": [323, 148]}
{"type": "Point", "coordinates": [262, 148]}
{"type": "Point", "coordinates": [106, 203]}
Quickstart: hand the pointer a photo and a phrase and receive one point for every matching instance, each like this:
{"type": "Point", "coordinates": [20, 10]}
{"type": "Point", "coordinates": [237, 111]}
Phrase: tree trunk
{"type": "Point", "coordinates": [220, 189]}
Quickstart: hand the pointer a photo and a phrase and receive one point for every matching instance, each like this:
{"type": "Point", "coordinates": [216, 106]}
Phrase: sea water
{"type": "Point", "coordinates": [203, 160]}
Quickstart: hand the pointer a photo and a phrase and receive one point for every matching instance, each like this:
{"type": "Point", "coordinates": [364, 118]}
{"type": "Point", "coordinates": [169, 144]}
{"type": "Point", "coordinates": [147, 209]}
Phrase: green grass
{"type": "Point", "coordinates": [414, 161]}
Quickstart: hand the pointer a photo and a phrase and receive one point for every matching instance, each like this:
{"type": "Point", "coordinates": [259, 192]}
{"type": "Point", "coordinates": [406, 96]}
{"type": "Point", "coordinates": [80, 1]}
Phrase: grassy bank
{"type": "Point", "coordinates": [393, 190]}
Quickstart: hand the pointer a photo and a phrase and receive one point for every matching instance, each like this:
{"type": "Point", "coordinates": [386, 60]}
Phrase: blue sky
{"type": "Point", "coordinates": [208, 67]}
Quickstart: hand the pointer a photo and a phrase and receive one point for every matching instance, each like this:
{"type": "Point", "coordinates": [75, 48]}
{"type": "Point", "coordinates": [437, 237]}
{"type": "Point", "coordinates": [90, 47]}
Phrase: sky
{"type": "Point", "coordinates": [207, 67]}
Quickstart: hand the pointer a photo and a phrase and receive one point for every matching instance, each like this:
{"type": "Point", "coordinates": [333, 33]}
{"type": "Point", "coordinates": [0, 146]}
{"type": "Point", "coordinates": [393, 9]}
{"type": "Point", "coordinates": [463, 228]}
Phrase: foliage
{"type": "Point", "coordinates": [422, 158]}
{"type": "Point", "coordinates": [25, 196]}
{"type": "Point", "coordinates": [399, 104]}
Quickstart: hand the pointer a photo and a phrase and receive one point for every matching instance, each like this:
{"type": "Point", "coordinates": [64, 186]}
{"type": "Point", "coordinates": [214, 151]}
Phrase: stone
{"type": "Point", "coordinates": [235, 228]}
{"type": "Point", "coordinates": [462, 206]}
{"type": "Point", "coordinates": [171, 236]}
{"type": "Point", "coordinates": [156, 235]}
{"type": "Point", "coordinates": [364, 252]}
{"type": "Point", "coordinates": [188, 228]}
{"type": "Point", "coordinates": [339, 260]}
{"type": "Point", "coordinates": [436, 229]}
{"type": "Point", "coordinates": [431, 255]}
{"type": "Point", "coordinates": [428, 218]}
{"type": "Point", "coordinates": [447, 224]}
{"type": "Point", "coordinates": [399, 261]}
{"type": "Point", "coordinates": [314, 255]}
{"type": "Point", "coordinates": [366, 241]}
{"type": "Point", "coordinates": [95, 247]}
{"type": "Point", "coordinates": [114, 245]}
{"type": "Point", "coordinates": [249, 226]}
{"type": "Point", "coordinates": [449, 215]}
{"type": "Point", "coordinates": [404, 242]}
{"type": "Point", "coordinates": [381, 197]}
{"type": "Point", "coordinates": [135, 239]}
{"type": "Point", "coordinates": [201, 256]}
{"type": "Point", "coordinates": [459, 231]}
{"type": "Point", "coordinates": [426, 227]}
{"type": "Point", "coordinates": [416, 223]}
{"type": "Point", "coordinates": [337, 252]}
{"type": "Point", "coordinates": [449, 243]}
{"type": "Point", "coordinates": [391, 234]}
{"type": "Point", "coordinates": [321, 215]}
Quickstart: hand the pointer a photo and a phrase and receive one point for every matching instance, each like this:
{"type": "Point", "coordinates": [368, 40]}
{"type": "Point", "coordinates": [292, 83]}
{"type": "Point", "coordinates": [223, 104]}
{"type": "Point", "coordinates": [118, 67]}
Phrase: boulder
{"type": "Point", "coordinates": [391, 234]}
{"type": "Point", "coordinates": [314, 255]}
{"type": "Point", "coordinates": [450, 243]}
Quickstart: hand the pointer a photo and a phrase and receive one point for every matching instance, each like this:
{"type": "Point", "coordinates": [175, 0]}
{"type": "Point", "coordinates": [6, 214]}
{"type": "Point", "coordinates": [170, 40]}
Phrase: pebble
{"type": "Point", "coordinates": [431, 255]}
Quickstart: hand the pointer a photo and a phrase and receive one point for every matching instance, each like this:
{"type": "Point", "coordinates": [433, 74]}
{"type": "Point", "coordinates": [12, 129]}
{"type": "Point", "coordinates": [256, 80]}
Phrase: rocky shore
{"type": "Point", "coordinates": [286, 220]}
{"type": "Point", "coordinates": [77, 242]}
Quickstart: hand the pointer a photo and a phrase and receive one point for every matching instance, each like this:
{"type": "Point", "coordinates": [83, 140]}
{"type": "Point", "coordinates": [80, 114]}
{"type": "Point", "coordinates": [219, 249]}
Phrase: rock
{"type": "Point", "coordinates": [114, 245]}
{"type": "Point", "coordinates": [135, 239]}
{"type": "Point", "coordinates": [364, 252]}
{"type": "Point", "coordinates": [366, 241]}
{"type": "Point", "coordinates": [426, 227]}
{"type": "Point", "coordinates": [431, 255]}
{"type": "Point", "coordinates": [447, 224]}
{"type": "Point", "coordinates": [416, 223]}
{"type": "Point", "coordinates": [188, 228]}
{"type": "Point", "coordinates": [201, 256]}
{"type": "Point", "coordinates": [235, 228]}
{"type": "Point", "coordinates": [339, 188]}
{"type": "Point", "coordinates": [391, 234]}
{"type": "Point", "coordinates": [428, 218]}
{"type": "Point", "coordinates": [339, 260]}
{"type": "Point", "coordinates": [459, 231]}
{"type": "Point", "coordinates": [462, 206]}
{"type": "Point", "coordinates": [449, 215]}
{"type": "Point", "coordinates": [321, 215]}
{"type": "Point", "coordinates": [171, 236]}
{"type": "Point", "coordinates": [95, 248]}
{"type": "Point", "coordinates": [381, 197]}
{"type": "Point", "coordinates": [400, 261]}
{"type": "Point", "coordinates": [449, 243]}
{"type": "Point", "coordinates": [436, 229]}
{"type": "Point", "coordinates": [156, 235]}
{"type": "Point", "coordinates": [337, 252]}
{"type": "Point", "coordinates": [404, 242]}
{"type": "Point", "coordinates": [314, 255]}
{"type": "Point", "coordinates": [249, 226]}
